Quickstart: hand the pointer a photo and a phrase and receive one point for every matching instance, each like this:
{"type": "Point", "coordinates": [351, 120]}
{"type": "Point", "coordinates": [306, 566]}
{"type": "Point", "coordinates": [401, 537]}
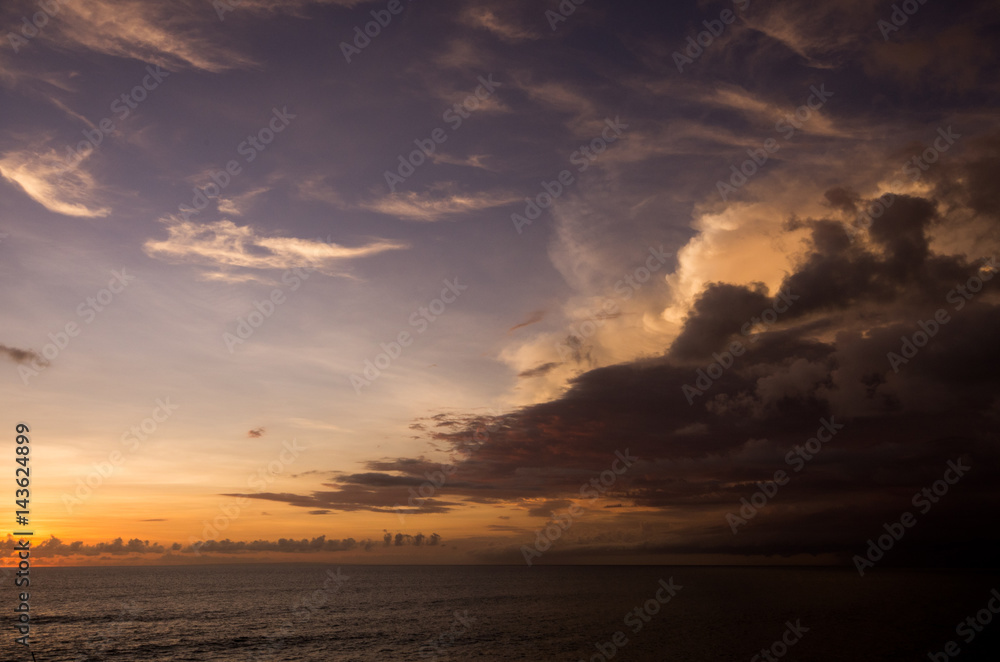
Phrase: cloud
{"type": "Point", "coordinates": [546, 508]}
{"type": "Point", "coordinates": [537, 371]}
{"type": "Point", "coordinates": [21, 355]}
{"type": "Point", "coordinates": [314, 545]}
{"type": "Point", "coordinates": [533, 318]}
{"type": "Point", "coordinates": [236, 205]}
{"type": "Point", "coordinates": [956, 58]}
{"type": "Point", "coordinates": [826, 360]}
{"type": "Point", "coordinates": [117, 547]}
{"type": "Point", "coordinates": [564, 97]}
{"type": "Point", "coordinates": [803, 28]}
{"type": "Point", "coordinates": [317, 189]}
{"type": "Point", "coordinates": [497, 21]}
{"type": "Point", "coordinates": [173, 34]}
{"type": "Point", "coordinates": [223, 244]}
{"type": "Point", "coordinates": [226, 277]}
{"type": "Point", "coordinates": [54, 547]}
{"type": "Point", "coordinates": [383, 493]}
{"type": "Point", "coordinates": [51, 182]}
{"type": "Point", "coordinates": [294, 7]}
{"type": "Point", "coordinates": [719, 311]}
{"type": "Point", "coordinates": [169, 34]}
{"type": "Point", "coordinates": [435, 206]}
{"type": "Point", "coordinates": [471, 161]}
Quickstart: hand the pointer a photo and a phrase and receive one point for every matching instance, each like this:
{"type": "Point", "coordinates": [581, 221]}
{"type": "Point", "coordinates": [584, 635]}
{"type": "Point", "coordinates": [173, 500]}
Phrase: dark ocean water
{"type": "Point", "coordinates": [382, 613]}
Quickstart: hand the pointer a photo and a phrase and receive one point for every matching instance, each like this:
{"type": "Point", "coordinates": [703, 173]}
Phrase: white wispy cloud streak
{"type": "Point", "coordinates": [413, 206]}
{"type": "Point", "coordinates": [43, 176]}
{"type": "Point", "coordinates": [225, 244]}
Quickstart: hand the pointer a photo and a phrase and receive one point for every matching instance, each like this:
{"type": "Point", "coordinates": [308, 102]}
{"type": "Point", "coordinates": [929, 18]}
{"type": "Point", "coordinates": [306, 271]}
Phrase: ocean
{"type": "Point", "coordinates": [592, 613]}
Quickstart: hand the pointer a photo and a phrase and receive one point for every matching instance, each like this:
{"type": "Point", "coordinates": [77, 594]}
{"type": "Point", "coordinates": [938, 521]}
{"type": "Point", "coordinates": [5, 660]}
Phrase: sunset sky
{"type": "Point", "coordinates": [225, 213]}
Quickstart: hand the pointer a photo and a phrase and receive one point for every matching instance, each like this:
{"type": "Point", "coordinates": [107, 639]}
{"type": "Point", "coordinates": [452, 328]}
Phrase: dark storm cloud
{"type": "Point", "coordinates": [972, 183]}
{"type": "Point", "coordinates": [903, 272]}
{"type": "Point", "coordinates": [983, 194]}
{"type": "Point", "coordinates": [720, 310]}
{"type": "Point", "coordinates": [823, 365]}
{"type": "Point", "coordinates": [843, 199]}
{"type": "Point", "coordinates": [899, 272]}
{"type": "Point", "coordinates": [353, 498]}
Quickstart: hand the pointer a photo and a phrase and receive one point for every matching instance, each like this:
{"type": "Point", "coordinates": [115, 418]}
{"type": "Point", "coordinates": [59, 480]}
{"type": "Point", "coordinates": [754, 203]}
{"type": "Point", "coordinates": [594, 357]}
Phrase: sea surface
{"type": "Point", "coordinates": [571, 613]}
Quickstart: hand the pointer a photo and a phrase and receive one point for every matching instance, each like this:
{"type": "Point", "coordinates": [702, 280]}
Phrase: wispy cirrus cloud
{"type": "Point", "coordinates": [412, 206]}
{"type": "Point", "coordinates": [225, 244]}
{"type": "Point", "coordinates": [169, 34]}
{"type": "Point", "coordinates": [499, 22]}
{"type": "Point", "coordinates": [472, 161]}
{"type": "Point", "coordinates": [44, 177]}
{"type": "Point", "coordinates": [316, 188]}
{"type": "Point", "coordinates": [237, 204]}
{"type": "Point", "coordinates": [174, 34]}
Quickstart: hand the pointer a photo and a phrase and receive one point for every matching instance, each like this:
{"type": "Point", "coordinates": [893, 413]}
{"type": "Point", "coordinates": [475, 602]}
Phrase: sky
{"type": "Point", "coordinates": [501, 282]}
